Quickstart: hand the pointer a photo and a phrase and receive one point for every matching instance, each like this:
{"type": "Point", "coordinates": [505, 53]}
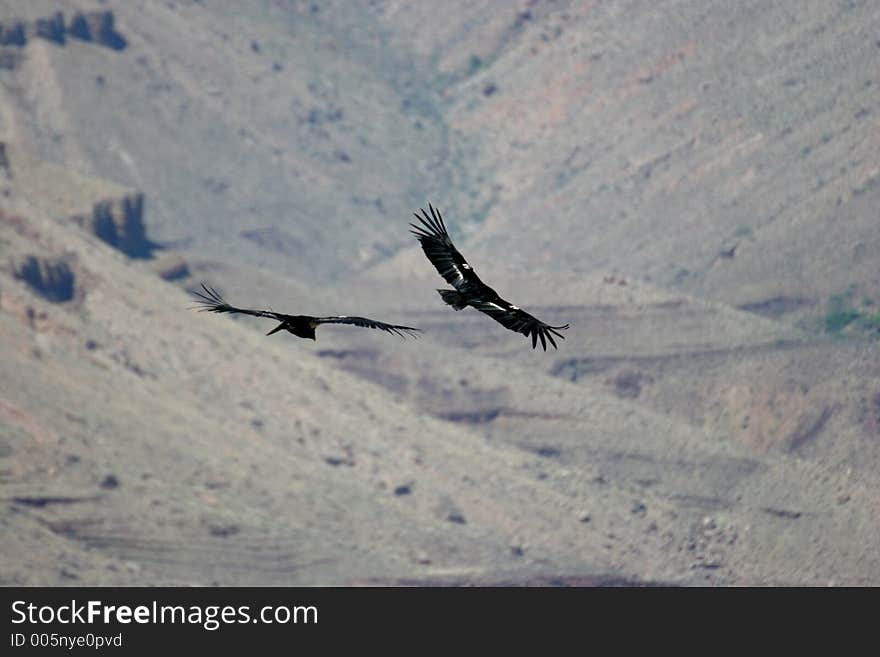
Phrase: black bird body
{"type": "Point", "coordinates": [469, 289]}
{"type": "Point", "coordinates": [302, 326]}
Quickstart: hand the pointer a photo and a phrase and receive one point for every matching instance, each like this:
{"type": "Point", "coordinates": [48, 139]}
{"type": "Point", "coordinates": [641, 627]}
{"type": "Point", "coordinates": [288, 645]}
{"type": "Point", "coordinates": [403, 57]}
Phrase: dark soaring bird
{"type": "Point", "coordinates": [302, 326]}
{"type": "Point", "coordinates": [469, 289]}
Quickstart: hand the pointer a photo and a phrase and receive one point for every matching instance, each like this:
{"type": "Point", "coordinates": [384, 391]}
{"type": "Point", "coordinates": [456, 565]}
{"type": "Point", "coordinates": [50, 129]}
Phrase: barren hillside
{"type": "Point", "coordinates": [692, 186]}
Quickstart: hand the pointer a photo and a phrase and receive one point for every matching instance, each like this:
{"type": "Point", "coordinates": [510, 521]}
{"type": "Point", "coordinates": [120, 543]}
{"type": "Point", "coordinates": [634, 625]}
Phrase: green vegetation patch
{"type": "Point", "coordinates": [838, 320]}
{"type": "Point", "coordinates": [841, 314]}
{"type": "Point", "coordinates": [871, 322]}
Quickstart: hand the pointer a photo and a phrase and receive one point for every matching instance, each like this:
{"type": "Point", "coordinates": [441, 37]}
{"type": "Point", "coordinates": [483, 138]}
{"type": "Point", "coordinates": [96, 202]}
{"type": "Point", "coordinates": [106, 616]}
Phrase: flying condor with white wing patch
{"type": "Point", "coordinates": [302, 326]}
{"type": "Point", "coordinates": [469, 289]}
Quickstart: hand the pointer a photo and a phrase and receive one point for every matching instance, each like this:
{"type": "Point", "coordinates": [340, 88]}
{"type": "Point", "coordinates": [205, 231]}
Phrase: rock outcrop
{"type": "Point", "coordinates": [92, 26]}
{"type": "Point", "coordinates": [50, 277]}
{"type": "Point", "coordinates": [120, 223]}
{"type": "Point", "coordinates": [97, 27]}
{"type": "Point", "coordinates": [51, 28]}
{"type": "Point", "coordinates": [13, 33]}
{"type": "Point", "coordinates": [5, 167]}
{"type": "Point", "coordinates": [172, 268]}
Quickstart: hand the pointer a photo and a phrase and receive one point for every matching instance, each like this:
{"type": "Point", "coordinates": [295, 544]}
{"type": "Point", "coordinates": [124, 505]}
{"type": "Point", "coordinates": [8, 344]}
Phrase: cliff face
{"type": "Point", "coordinates": [115, 214]}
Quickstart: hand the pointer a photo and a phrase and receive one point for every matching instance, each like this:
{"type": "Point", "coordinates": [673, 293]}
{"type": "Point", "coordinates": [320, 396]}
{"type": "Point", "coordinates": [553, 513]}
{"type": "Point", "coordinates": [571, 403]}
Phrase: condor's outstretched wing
{"type": "Point", "coordinates": [519, 320]}
{"type": "Point", "coordinates": [441, 252]}
{"type": "Point", "coordinates": [364, 322]}
{"type": "Point", "coordinates": [211, 301]}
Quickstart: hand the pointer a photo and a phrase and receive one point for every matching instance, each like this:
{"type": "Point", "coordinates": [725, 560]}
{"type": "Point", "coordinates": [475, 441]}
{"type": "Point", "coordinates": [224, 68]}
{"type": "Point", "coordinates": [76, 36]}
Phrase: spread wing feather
{"type": "Point", "coordinates": [434, 238]}
{"type": "Point", "coordinates": [520, 321]}
{"type": "Point", "coordinates": [365, 322]}
{"type": "Point", "coordinates": [212, 302]}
